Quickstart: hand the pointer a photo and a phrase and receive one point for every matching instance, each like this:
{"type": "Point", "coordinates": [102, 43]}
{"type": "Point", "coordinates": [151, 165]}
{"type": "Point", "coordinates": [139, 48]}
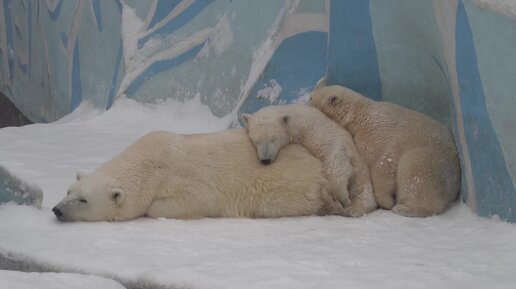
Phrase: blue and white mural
{"type": "Point", "coordinates": [60, 53]}
{"type": "Point", "coordinates": [451, 59]}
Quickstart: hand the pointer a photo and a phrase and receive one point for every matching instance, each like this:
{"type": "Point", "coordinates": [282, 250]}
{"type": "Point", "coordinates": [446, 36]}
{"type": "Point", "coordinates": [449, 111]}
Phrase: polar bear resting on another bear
{"type": "Point", "coordinates": [413, 160]}
{"type": "Point", "coordinates": [201, 175]}
{"type": "Point", "coordinates": [275, 127]}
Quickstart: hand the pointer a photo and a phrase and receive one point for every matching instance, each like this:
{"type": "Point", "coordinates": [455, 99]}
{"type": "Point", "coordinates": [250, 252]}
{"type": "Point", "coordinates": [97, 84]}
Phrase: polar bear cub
{"type": "Point", "coordinates": [413, 160]}
{"type": "Point", "coordinates": [275, 127]}
{"type": "Point", "coordinates": [170, 175]}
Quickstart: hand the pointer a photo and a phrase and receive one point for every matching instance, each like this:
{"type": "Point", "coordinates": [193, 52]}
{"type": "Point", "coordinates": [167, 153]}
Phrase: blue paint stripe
{"type": "Point", "coordinates": [119, 5]}
{"type": "Point", "coordinates": [114, 80]}
{"type": "Point", "coordinates": [98, 15]}
{"type": "Point", "coordinates": [64, 39]}
{"type": "Point", "coordinates": [179, 21]}
{"type": "Point", "coordinates": [37, 12]}
{"type": "Point", "coordinates": [18, 31]}
{"type": "Point", "coordinates": [163, 8]}
{"type": "Point", "coordinates": [55, 13]}
{"type": "Point", "coordinates": [23, 67]}
{"type": "Point", "coordinates": [160, 66]}
{"type": "Point", "coordinates": [298, 63]}
{"type": "Point", "coordinates": [76, 78]}
{"type": "Point", "coordinates": [29, 27]}
{"type": "Point", "coordinates": [495, 191]}
{"type": "Point", "coordinates": [9, 35]}
{"type": "Point", "coordinates": [352, 57]}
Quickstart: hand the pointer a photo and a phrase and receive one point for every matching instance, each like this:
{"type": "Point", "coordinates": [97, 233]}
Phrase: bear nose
{"type": "Point", "coordinates": [266, 161]}
{"type": "Point", "coordinates": [57, 212]}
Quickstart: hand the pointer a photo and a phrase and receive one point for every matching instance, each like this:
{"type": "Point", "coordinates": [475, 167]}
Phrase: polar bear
{"type": "Point", "coordinates": [412, 158]}
{"type": "Point", "coordinates": [170, 175]}
{"type": "Point", "coordinates": [275, 127]}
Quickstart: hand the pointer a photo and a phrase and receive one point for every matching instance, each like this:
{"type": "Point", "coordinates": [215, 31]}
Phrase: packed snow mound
{"type": "Point", "coordinates": [454, 250]}
{"type": "Point", "coordinates": [51, 154]}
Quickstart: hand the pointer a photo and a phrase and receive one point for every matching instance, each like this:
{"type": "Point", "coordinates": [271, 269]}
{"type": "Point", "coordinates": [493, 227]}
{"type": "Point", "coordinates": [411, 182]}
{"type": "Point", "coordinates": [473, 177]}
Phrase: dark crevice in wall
{"type": "Point", "coordinates": [9, 114]}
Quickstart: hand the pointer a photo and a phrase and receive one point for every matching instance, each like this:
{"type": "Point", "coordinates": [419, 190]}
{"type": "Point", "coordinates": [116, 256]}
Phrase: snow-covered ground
{"type": "Point", "coordinates": [381, 250]}
{"type": "Point", "coordinates": [21, 280]}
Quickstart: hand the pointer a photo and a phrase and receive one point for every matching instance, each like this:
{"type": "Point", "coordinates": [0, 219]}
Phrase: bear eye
{"type": "Point", "coordinates": [83, 201]}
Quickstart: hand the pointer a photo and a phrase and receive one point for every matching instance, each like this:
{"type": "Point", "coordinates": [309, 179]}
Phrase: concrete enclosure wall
{"type": "Point", "coordinates": [453, 60]}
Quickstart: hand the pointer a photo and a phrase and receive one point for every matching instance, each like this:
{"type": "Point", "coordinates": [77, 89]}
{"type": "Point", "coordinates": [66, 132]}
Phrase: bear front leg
{"type": "Point", "coordinates": [383, 178]}
{"type": "Point", "coordinates": [361, 192]}
{"type": "Point", "coordinates": [330, 205]}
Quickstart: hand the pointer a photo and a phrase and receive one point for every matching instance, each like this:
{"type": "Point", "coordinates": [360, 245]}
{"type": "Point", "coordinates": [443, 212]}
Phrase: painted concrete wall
{"type": "Point", "coordinates": [451, 59]}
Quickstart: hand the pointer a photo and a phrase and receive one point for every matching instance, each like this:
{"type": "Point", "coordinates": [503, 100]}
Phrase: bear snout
{"type": "Point", "coordinates": [57, 212]}
{"type": "Point", "coordinates": [267, 153]}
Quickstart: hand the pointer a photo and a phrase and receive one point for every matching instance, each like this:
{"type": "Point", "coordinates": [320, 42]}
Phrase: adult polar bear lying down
{"type": "Point", "coordinates": [169, 175]}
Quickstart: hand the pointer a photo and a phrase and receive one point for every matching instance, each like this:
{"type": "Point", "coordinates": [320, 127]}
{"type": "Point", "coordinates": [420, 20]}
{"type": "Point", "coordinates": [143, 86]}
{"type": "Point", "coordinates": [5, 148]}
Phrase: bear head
{"type": "Point", "coordinates": [337, 102]}
{"type": "Point", "coordinates": [268, 131]}
{"type": "Point", "coordinates": [91, 198]}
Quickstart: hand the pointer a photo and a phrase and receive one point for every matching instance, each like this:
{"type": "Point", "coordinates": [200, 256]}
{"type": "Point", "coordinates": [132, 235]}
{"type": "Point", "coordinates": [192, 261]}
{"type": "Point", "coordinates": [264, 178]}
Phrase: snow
{"type": "Point", "coordinates": [381, 250]}
{"type": "Point", "coordinates": [51, 154]}
{"type": "Point", "coordinates": [137, 60]}
{"type": "Point", "coordinates": [270, 92]}
{"type": "Point", "coordinates": [20, 280]}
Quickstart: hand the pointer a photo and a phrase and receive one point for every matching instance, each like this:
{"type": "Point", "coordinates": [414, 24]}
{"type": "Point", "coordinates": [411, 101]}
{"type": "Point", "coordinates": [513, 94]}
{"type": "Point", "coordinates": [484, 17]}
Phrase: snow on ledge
{"type": "Point", "coordinates": [22, 280]}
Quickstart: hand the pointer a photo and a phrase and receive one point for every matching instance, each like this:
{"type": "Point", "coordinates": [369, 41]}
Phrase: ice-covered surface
{"type": "Point", "coordinates": [20, 280]}
{"type": "Point", "coordinates": [14, 189]}
{"type": "Point", "coordinates": [381, 250]}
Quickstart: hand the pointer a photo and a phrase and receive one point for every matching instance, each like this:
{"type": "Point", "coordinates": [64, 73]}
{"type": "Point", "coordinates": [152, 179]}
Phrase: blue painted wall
{"type": "Point", "coordinates": [352, 55]}
{"type": "Point", "coordinates": [493, 185]}
{"type": "Point", "coordinates": [453, 60]}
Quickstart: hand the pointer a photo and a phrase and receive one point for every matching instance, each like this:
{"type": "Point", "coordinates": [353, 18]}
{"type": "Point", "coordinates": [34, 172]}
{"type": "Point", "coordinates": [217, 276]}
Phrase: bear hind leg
{"type": "Point", "coordinates": [422, 189]}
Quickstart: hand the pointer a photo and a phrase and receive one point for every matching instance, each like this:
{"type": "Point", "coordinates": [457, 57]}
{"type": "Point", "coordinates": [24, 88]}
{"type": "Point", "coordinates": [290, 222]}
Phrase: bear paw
{"type": "Point", "coordinates": [405, 211]}
{"type": "Point", "coordinates": [354, 211]}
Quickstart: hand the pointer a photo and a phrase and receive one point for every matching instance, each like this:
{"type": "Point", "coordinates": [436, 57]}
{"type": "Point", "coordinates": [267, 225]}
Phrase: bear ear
{"type": "Point", "coordinates": [335, 99]}
{"type": "Point", "coordinates": [79, 175]}
{"type": "Point", "coordinates": [245, 117]}
{"type": "Point", "coordinates": [118, 196]}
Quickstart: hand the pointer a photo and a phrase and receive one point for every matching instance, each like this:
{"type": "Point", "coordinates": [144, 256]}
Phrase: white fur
{"type": "Point", "coordinates": [274, 127]}
{"type": "Point", "coordinates": [201, 175]}
{"type": "Point", "coordinates": [412, 158]}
